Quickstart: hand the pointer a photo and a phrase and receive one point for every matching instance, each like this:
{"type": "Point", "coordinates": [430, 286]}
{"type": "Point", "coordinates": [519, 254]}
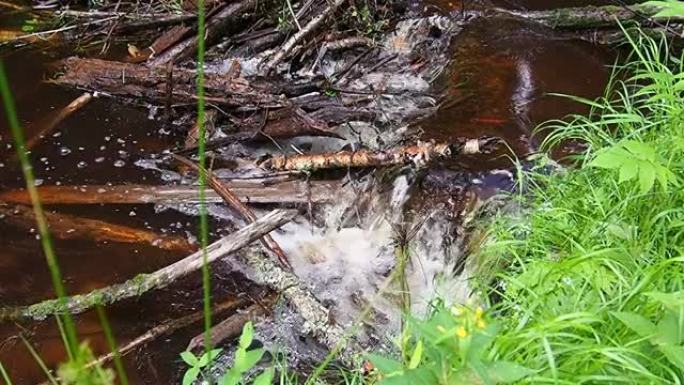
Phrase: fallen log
{"type": "Point", "coordinates": [65, 227]}
{"type": "Point", "coordinates": [233, 201]}
{"type": "Point", "coordinates": [159, 279]}
{"type": "Point", "coordinates": [420, 153]}
{"type": "Point", "coordinates": [149, 83]}
{"type": "Point", "coordinates": [595, 16]}
{"type": "Point", "coordinates": [294, 191]}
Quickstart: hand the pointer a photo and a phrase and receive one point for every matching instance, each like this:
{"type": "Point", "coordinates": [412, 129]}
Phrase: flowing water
{"type": "Point", "coordinates": [497, 83]}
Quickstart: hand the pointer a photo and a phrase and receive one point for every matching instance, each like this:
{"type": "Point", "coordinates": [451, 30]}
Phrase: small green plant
{"type": "Point", "coordinates": [197, 364]}
{"type": "Point", "coordinates": [453, 346]}
{"type": "Point", "coordinates": [245, 360]}
{"type": "Point", "coordinates": [669, 8]}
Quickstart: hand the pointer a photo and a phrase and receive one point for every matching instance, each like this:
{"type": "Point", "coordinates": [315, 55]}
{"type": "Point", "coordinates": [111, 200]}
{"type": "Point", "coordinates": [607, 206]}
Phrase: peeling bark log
{"type": "Point", "coordinates": [156, 280]}
{"type": "Point", "coordinates": [420, 153]}
{"type": "Point", "coordinates": [136, 81]}
{"type": "Point", "coordinates": [64, 226]}
{"type": "Point", "coordinates": [231, 199]}
{"type": "Point", "coordinates": [249, 192]}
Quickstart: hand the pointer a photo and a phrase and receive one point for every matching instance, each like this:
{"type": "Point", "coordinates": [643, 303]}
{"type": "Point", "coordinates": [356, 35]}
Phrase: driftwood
{"type": "Point", "coordinates": [233, 201]}
{"type": "Point", "coordinates": [294, 191]}
{"type": "Point", "coordinates": [64, 226]}
{"type": "Point", "coordinates": [231, 327]}
{"type": "Point", "coordinates": [216, 25]}
{"type": "Point", "coordinates": [595, 16]}
{"type": "Point", "coordinates": [309, 28]}
{"type": "Point", "coordinates": [156, 280]}
{"type": "Point", "coordinates": [420, 153]}
{"type": "Point", "coordinates": [136, 81]}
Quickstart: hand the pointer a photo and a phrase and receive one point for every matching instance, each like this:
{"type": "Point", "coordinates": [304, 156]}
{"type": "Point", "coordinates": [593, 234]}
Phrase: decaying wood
{"type": "Point", "coordinates": [309, 28]}
{"type": "Point", "coordinates": [233, 201]}
{"type": "Point", "coordinates": [231, 327]}
{"type": "Point", "coordinates": [596, 16]}
{"type": "Point", "coordinates": [165, 328]}
{"type": "Point", "coordinates": [420, 153]}
{"type": "Point", "coordinates": [156, 280]}
{"type": "Point", "coordinates": [149, 82]}
{"type": "Point", "coordinates": [292, 191]}
{"type": "Point", "coordinates": [317, 321]}
{"type": "Point", "coordinates": [216, 25]}
{"type": "Point", "coordinates": [54, 120]}
{"type": "Point", "coordinates": [64, 226]}
{"type": "Point", "coordinates": [162, 43]}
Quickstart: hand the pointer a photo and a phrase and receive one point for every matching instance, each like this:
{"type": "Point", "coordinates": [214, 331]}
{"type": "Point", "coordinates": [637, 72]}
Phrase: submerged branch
{"type": "Point", "coordinates": [156, 280]}
{"type": "Point", "coordinates": [64, 226]}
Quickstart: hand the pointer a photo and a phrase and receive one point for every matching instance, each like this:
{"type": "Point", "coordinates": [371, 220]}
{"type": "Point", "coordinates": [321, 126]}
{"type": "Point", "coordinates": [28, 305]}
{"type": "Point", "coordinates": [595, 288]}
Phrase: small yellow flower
{"type": "Point", "coordinates": [461, 332]}
{"type": "Point", "coordinates": [480, 324]}
{"type": "Point", "coordinates": [479, 312]}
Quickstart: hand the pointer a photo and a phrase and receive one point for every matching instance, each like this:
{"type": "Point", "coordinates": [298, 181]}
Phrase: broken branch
{"type": "Point", "coordinates": [156, 280]}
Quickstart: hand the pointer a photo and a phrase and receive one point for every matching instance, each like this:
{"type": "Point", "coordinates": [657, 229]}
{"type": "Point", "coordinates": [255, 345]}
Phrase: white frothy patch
{"type": "Point", "coordinates": [346, 267]}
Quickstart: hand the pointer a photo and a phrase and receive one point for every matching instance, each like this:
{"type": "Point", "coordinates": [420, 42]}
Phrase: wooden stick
{"type": "Point", "coordinates": [156, 280]}
{"type": "Point", "coordinates": [422, 152]}
{"type": "Point", "coordinates": [53, 122]}
{"type": "Point", "coordinates": [165, 328]}
{"type": "Point", "coordinates": [289, 45]}
{"type": "Point", "coordinates": [64, 226]}
{"type": "Point", "coordinates": [229, 197]}
{"type": "Point", "coordinates": [231, 327]}
{"type": "Point", "coordinates": [294, 191]}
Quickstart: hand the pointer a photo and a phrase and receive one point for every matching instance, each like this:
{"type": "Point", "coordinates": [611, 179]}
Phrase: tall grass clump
{"type": "Point", "coordinates": [584, 275]}
{"type": "Point", "coordinates": [589, 282]}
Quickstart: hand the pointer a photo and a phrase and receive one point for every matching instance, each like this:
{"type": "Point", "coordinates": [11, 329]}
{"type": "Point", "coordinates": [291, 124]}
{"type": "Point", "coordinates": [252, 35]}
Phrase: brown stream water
{"type": "Point", "coordinates": [499, 79]}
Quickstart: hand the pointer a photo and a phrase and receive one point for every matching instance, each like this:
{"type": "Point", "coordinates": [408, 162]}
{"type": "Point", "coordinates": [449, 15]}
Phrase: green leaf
{"type": "Point", "coordinates": [640, 149]}
{"type": "Point", "coordinates": [670, 330]}
{"type": "Point", "coordinates": [668, 8]}
{"type": "Point", "coordinates": [609, 158]}
{"type": "Point", "coordinates": [386, 366]}
{"type": "Point", "coordinates": [249, 360]}
{"type": "Point", "coordinates": [265, 378]}
{"type": "Point", "coordinates": [628, 170]}
{"type": "Point", "coordinates": [647, 176]}
{"type": "Point", "coordinates": [673, 301]}
{"type": "Point", "coordinates": [232, 377]}
{"type": "Point", "coordinates": [639, 324]}
{"type": "Point", "coordinates": [189, 358]}
{"type": "Point", "coordinates": [502, 372]}
{"type": "Point", "coordinates": [208, 357]}
{"type": "Point", "coordinates": [675, 354]}
{"type": "Point", "coordinates": [247, 335]}
{"type": "Point", "coordinates": [421, 376]}
{"type": "Point", "coordinates": [191, 375]}
{"type": "Point", "coordinates": [416, 356]}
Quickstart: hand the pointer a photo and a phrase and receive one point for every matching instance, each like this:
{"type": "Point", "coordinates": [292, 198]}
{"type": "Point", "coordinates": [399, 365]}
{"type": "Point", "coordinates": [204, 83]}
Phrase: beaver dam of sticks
{"type": "Point", "coordinates": [339, 134]}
